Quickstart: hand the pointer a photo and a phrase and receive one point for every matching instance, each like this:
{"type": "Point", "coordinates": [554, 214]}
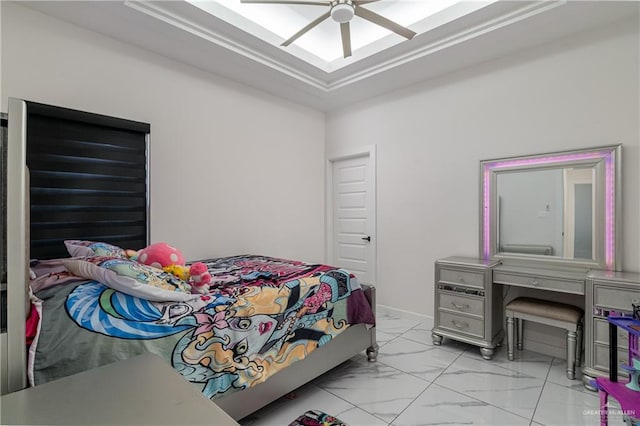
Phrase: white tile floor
{"type": "Point", "coordinates": [416, 383]}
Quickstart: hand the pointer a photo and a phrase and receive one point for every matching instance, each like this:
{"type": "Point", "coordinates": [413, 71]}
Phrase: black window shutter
{"type": "Point", "coordinates": [88, 179]}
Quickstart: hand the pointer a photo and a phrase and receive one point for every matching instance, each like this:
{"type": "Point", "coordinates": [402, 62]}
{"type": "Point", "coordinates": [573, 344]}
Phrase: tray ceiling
{"type": "Point", "coordinates": [321, 46]}
{"type": "Point", "coordinates": [242, 41]}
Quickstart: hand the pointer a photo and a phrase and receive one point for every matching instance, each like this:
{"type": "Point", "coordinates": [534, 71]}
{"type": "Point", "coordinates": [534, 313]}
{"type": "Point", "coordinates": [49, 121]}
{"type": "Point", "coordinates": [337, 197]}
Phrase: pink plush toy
{"type": "Point", "coordinates": [200, 278]}
{"type": "Point", "coordinates": [160, 255]}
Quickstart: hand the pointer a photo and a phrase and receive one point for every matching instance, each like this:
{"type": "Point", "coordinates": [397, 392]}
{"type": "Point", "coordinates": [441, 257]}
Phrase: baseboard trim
{"type": "Point", "coordinates": [545, 348]}
{"type": "Point", "coordinates": [404, 314]}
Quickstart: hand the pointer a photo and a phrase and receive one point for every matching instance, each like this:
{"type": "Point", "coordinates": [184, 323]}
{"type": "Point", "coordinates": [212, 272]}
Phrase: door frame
{"type": "Point", "coordinates": [346, 154]}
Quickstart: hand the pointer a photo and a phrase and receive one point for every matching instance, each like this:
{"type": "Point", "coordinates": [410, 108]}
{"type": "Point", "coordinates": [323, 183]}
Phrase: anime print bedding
{"type": "Point", "coordinates": [261, 315]}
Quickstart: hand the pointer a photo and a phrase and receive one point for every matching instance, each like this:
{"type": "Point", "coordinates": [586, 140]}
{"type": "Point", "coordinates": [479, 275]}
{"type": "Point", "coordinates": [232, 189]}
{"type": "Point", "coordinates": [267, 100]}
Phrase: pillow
{"type": "Point", "coordinates": [48, 273]}
{"type": "Point", "coordinates": [82, 248]}
{"type": "Point", "coordinates": [133, 278]}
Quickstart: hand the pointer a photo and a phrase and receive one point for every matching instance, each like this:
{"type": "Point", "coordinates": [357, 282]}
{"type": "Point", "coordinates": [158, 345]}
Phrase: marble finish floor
{"type": "Point", "coordinates": [416, 383]}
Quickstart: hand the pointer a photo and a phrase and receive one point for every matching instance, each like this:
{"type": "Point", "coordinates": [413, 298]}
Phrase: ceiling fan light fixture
{"type": "Point", "coordinates": [342, 11]}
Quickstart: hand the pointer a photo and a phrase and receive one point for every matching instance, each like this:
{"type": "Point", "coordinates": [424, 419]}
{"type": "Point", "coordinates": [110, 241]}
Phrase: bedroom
{"type": "Point", "coordinates": [581, 90]}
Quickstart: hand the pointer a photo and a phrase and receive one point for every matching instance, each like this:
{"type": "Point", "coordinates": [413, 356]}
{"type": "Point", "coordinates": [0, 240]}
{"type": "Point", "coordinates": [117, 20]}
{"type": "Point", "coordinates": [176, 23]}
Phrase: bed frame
{"type": "Point", "coordinates": [13, 358]}
{"type": "Point", "coordinates": [344, 346]}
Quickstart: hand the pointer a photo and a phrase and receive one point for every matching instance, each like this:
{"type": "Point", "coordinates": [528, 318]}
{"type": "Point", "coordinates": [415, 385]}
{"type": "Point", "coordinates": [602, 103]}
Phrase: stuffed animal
{"type": "Point", "coordinates": [160, 255]}
{"type": "Point", "coordinates": [179, 271]}
{"type": "Point", "coordinates": [200, 278]}
{"type": "Point", "coordinates": [132, 254]}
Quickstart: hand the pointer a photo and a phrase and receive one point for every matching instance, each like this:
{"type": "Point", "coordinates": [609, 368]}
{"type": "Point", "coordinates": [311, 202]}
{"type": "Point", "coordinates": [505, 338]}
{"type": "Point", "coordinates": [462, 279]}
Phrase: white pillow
{"type": "Point", "coordinates": [78, 248]}
{"type": "Point", "coordinates": [133, 278]}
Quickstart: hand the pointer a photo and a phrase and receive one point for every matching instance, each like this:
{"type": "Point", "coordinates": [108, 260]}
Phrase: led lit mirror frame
{"type": "Point", "coordinates": [606, 162]}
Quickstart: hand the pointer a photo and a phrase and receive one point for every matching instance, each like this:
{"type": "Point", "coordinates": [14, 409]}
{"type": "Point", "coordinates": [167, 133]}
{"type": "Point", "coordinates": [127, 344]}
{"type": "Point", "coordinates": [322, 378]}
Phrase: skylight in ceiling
{"type": "Point", "coordinates": [322, 45]}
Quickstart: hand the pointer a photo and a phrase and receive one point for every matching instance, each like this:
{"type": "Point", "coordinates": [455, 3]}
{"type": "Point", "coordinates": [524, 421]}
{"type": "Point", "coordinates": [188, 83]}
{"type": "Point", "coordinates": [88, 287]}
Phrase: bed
{"type": "Point", "coordinates": [306, 318]}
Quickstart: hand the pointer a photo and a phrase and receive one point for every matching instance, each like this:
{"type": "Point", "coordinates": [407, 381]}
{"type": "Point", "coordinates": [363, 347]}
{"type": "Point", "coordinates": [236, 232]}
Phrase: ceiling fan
{"type": "Point", "coordinates": [341, 11]}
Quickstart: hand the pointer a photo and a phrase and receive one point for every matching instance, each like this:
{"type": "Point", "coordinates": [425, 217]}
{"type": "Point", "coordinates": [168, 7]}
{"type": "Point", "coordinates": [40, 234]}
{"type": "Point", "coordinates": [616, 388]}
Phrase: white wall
{"type": "Point", "coordinates": [575, 93]}
{"type": "Point", "coordinates": [233, 170]}
{"type": "Point", "coordinates": [246, 169]}
{"type": "Point", "coordinates": [531, 208]}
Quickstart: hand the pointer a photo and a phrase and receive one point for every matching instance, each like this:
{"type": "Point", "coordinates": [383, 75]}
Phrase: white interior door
{"type": "Point", "coordinates": [353, 200]}
{"type": "Point", "coordinates": [575, 180]}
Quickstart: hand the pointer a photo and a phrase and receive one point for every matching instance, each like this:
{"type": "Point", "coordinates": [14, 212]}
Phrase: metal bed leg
{"type": "Point", "coordinates": [372, 352]}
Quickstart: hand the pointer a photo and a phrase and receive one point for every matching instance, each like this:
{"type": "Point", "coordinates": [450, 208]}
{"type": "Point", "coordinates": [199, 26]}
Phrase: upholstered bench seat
{"type": "Point", "coordinates": [550, 313]}
{"type": "Point", "coordinates": [546, 309]}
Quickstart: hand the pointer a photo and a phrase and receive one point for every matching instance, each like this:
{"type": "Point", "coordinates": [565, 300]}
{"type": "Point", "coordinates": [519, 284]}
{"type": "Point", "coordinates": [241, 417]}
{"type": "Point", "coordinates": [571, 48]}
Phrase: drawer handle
{"type": "Point", "coordinates": [461, 307]}
{"type": "Point", "coordinates": [534, 282]}
{"type": "Point", "coordinates": [460, 324]}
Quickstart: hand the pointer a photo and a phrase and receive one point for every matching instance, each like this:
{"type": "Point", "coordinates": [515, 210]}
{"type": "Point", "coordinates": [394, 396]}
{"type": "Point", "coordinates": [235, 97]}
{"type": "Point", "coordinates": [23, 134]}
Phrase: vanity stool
{"type": "Point", "coordinates": [550, 313]}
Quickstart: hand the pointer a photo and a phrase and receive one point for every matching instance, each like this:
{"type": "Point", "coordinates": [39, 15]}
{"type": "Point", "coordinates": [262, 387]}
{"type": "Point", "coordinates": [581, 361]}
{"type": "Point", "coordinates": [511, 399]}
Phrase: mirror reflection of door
{"type": "Point", "coordinates": [530, 212]}
{"type": "Point", "coordinates": [578, 213]}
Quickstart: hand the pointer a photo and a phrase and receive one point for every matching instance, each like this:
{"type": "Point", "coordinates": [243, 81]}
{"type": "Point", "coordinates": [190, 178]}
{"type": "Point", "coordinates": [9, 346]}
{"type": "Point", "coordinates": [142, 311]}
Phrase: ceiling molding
{"type": "Point", "coordinates": [444, 43]}
{"type": "Point", "coordinates": [183, 32]}
{"type": "Point", "coordinates": [155, 11]}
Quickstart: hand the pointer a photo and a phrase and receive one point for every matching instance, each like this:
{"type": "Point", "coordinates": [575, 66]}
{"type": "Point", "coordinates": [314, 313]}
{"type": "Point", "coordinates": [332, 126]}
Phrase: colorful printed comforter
{"type": "Point", "coordinates": [261, 315]}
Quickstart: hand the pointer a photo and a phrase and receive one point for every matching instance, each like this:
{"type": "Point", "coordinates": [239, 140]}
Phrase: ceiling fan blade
{"type": "Point", "coordinates": [317, 21]}
{"type": "Point", "coordinates": [359, 2]}
{"type": "Point", "coordinates": [305, 2]}
{"type": "Point", "coordinates": [384, 22]}
{"type": "Point", "coordinates": [345, 31]}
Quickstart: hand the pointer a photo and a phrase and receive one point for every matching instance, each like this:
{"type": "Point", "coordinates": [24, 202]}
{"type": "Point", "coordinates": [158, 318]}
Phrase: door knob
{"type": "Point", "coordinates": [367, 238]}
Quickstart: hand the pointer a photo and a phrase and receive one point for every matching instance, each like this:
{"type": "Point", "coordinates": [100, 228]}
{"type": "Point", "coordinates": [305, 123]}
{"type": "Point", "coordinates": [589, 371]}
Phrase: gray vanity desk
{"type": "Point", "coordinates": [469, 296]}
{"type": "Point", "coordinates": [605, 293]}
{"type": "Point", "coordinates": [469, 304]}
{"type": "Point", "coordinates": [548, 222]}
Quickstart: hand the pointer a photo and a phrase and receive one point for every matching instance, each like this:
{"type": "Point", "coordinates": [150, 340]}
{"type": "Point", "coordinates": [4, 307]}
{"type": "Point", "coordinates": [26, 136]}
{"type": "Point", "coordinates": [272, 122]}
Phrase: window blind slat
{"type": "Point", "coordinates": [88, 179]}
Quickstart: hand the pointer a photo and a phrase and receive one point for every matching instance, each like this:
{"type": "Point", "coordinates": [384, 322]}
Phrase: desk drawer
{"type": "Point", "coordinates": [459, 303]}
{"type": "Point", "coordinates": [601, 358]}
{"type": "Point", "coordinates": [601, 333]}
{"type": "Point", "coordinates": [467, 278]}
{"type": "Point", "coordinates": [461, 324]}
{"type": "Point", "coordinates": [532, 281]}
{"type": "Point", "coordinates": [614, 298]}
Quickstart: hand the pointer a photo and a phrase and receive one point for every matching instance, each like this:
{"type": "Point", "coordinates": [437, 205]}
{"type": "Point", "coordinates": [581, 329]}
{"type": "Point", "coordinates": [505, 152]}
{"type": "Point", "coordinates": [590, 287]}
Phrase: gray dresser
{"type": "Point", "coordinates": [143, 390]}
{"type": "Point", "coordinates": [607, 293]}
{"type": "Point", "coordinates": [468, 307]}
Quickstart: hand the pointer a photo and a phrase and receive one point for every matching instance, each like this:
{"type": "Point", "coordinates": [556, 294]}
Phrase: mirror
{"type": "Point", "coordinates": [556, 208]}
